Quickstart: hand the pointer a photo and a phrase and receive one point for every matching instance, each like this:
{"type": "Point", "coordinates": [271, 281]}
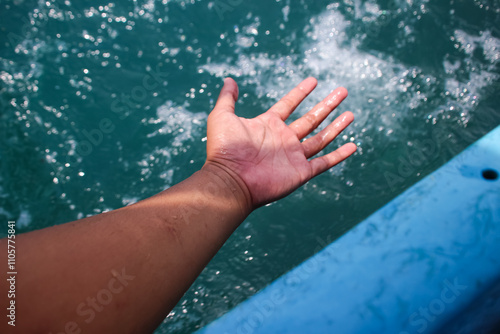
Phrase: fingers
{"type": "Point", "coordinates": [310, 121]}
{"type": "Point", "coordinates": [290, 101]}
{"type": "Point", "coordinates": [319, 141]}
{"type": "Point", "coordinates": [325, 162]}
{"type": "Point", "coordinates": [227, 97]}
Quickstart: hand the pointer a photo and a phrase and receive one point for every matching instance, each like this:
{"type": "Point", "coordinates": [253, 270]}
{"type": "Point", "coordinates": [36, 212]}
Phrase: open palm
{"type": "Point", "coordinates": [267, 155]}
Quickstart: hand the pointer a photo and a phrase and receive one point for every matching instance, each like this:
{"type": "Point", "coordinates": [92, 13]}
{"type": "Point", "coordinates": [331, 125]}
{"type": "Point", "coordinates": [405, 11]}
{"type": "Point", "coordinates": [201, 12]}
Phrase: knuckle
{"type": "Point", "coordinates": [288, 103]}
{"type": "Point", "coordinates": [311, 120]}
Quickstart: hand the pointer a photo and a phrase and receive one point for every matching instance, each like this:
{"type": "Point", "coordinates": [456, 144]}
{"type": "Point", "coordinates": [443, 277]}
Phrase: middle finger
{"type": "Point", "coordinates": [310, 121]}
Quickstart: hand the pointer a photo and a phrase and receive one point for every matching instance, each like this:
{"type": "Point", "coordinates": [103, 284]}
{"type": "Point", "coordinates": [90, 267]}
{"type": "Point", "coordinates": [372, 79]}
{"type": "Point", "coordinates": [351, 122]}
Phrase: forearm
{"type": "Point", "coordinates": [122, 271]}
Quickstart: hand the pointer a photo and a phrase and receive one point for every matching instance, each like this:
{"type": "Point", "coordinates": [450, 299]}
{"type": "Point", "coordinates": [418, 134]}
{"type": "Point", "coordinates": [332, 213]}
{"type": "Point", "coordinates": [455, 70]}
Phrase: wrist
{"type": "Point", "coordinates": [235, 186]}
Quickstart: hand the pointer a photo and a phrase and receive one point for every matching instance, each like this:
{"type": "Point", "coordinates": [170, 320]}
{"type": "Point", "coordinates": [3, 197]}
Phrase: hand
{"type": "Point", "coordinates": [264, 154]}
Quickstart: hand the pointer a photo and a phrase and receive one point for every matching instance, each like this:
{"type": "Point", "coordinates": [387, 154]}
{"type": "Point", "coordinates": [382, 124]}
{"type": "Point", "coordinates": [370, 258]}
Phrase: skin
{"type": "Point", "coordinates": [124, 270]}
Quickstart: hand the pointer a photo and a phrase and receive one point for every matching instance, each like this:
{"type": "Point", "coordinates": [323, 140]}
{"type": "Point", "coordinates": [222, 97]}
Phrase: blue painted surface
{"type": "Point", "coordinates": [415, 266]}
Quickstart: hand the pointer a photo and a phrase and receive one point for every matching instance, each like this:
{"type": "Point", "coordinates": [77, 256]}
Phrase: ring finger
{"type": "Point", "coordinates": [316, 143]}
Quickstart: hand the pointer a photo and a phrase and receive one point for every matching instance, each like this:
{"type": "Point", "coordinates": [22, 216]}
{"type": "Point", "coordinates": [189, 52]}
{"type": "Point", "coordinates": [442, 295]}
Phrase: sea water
{"type": "Point", "coordinates": [105, 103]}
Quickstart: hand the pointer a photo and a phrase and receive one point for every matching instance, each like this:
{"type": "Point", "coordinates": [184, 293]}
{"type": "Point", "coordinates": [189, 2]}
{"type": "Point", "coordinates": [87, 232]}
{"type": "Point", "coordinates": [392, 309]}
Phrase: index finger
{"type": "Point", "coordinates": [290, 101]}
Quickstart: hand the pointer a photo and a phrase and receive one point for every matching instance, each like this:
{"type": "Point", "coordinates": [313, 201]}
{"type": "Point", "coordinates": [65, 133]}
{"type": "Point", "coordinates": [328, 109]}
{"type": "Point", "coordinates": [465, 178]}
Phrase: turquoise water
{"type": "Point", "coordinates": [103, 104]}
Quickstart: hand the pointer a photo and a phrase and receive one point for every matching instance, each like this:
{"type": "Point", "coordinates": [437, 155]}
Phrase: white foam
{"type": "Point", "coordinates": [24, 219]}
{"type": "Point", "coordinates": [375, 84]}
{"type": "Point", "coordinates": [466, 91]}
{"type": "Point", "coordinates": [128, 200]}
{"type": "Point", "coordinates": [178, 120]}
{"type": "Point", "coordinates": [381, 89]}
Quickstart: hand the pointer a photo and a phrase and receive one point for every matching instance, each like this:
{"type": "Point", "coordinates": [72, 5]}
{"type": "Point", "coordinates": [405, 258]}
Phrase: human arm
{"type": "Point", "coordinates": [122, 271]}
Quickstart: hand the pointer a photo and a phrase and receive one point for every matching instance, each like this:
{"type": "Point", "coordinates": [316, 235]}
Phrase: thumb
{"type": "Point", "coordinates": [227, 97]}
